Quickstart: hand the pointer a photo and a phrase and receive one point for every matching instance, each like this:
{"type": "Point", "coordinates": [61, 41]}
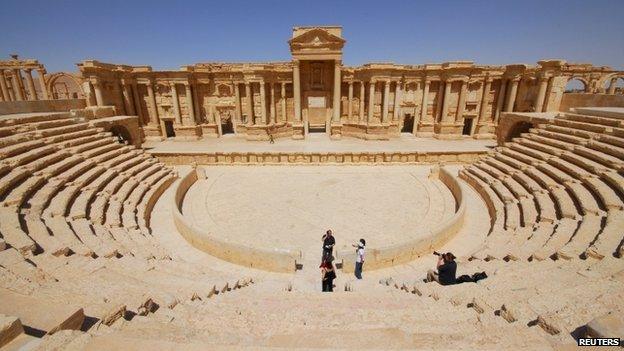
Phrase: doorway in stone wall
{"type": "Point", "coordinates": [169, 131]}
{"type": "Point", "coordinates": [408, 123]}
{"type": "Point", "coordinates": [226, 126]}
{"type": "Point", "coordinates": [467, 130]}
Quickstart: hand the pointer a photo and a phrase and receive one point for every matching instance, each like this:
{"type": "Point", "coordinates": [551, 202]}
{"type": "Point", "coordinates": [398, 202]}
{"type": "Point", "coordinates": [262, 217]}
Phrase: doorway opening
{"type": "Point", "coordinates": [467, 126]}
{"type": "Point", "coordinates": [316, 128]}
{"type": "Point", "coordinates": [408, 123]}
{"type": "Point", "coordinates": [169, 131]}
{"type": "Point", "coordinates": [227, 127]}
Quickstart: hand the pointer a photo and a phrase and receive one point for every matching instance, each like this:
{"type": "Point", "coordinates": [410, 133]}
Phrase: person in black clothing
{"type": "Point", "coordinates": [328, 244]}
{"type": "Point", "coordinates": [447, 267]}
{"type": "Point", "coordinates": [328, 274]}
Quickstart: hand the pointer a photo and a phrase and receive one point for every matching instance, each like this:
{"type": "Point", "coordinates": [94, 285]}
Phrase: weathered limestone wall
{"type": "Point", "coordinates": [284, 261]}
{"type": "Point", "coordinates": [512, 123]}
{"type": "Point", "coordinates": [426, 243]}
{"type": "Point", "coordinates": [572, 100]}
{"type": "Point", "coordinates": [106, 117]}
{"type": "Point", "coordinates": [10, 107]}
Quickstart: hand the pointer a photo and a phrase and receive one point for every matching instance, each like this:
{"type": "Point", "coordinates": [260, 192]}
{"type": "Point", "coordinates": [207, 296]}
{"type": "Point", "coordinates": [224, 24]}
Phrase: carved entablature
{"type": "Point", "coordinates": [16, 63]}
{"type": "Point", "coordinates": [317, 43]}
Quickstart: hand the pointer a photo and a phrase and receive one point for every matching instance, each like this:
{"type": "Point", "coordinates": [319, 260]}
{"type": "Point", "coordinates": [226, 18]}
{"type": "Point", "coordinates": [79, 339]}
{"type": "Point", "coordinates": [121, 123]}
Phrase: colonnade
{"type": "Point", "coordinates": [130, 97]}
{"type": "Point", "coordinates": [13, 87]}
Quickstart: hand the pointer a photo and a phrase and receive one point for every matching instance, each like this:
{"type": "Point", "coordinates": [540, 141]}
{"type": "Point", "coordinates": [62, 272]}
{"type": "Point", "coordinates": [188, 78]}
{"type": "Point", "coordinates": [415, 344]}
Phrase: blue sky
{"type": "Point", "coordinates": [168, 34]}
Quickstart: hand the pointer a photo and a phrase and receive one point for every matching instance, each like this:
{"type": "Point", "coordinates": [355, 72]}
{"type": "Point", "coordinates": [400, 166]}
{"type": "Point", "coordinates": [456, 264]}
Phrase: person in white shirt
{"type": "Point", "coordinates": [359, 258]}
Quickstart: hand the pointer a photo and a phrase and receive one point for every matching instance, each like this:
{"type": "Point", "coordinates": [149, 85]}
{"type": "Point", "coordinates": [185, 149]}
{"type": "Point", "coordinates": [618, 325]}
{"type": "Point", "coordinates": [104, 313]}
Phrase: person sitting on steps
{"type": "Point", "coordinates": [446, 269]}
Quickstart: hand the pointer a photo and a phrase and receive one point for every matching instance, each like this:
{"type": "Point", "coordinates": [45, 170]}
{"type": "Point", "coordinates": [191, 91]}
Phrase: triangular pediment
{"type": "Point", "coordinates": [316, 38]}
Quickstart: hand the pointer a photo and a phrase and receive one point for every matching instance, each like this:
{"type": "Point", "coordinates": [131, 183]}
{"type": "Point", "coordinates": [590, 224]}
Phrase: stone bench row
{"type": "Point", "coordinates": [37, 194]}
{"type": "Point", "coordinates": [577, 172]}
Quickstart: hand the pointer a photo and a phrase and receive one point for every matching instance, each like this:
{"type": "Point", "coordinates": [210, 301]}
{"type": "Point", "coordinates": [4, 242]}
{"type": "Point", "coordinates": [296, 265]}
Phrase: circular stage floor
{"type": "Point", "coordinates": [291, 207]}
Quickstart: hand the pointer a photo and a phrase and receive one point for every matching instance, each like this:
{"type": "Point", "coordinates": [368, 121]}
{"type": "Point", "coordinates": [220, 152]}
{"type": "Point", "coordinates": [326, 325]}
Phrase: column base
{"type": "Point", "coordinates": [335, 130]}
{"type": "Point", "coordinates": [448, 129]}
{"type": "Point", "coordinates": [187, 133]}
{"type": "Point", "coordinates": [152, 132]}
{"type": "Point", "coordinates": [298, 131]}
{"type": "Point", "coordinates": [209, 130]}
{"type": "Point", "coordinates": [425, 128]}
{"type": "Point", "coordinates": [485, 129]}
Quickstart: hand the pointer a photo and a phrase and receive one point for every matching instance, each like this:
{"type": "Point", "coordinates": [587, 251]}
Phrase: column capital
{"type": "Point", "coordinates": [27, 70]}
{"type": "Point", "coordinates": [128, 81]}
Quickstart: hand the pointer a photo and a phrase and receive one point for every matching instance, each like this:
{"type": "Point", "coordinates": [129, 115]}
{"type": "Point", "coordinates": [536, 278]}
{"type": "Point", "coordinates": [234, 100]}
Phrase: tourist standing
{"type": "Point", "coordinates": [328, 274]}
{"type": "Point", "coordinates": [328, 244]}
{"type": "Point", "coordinates": [359, 258]}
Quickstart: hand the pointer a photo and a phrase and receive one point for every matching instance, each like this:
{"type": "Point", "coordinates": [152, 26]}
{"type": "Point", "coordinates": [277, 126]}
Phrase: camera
{"type": "Point", "coordinates": [436, 253]}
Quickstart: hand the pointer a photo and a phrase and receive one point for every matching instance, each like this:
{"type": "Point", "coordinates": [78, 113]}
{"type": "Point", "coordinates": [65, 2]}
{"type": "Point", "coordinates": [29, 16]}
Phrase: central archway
{"type": "Point", "coordinates": [576, 85]}
{"type": "Point", "coordinates": [64, 85]}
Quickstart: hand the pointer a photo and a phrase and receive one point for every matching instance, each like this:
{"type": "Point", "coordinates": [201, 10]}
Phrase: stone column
{"type": "Point", "coordinates": [350, 103]}
{"type": "Point", "coordinates": [137, 102]}
{"type": "Point", "coordinates": [396, 113]}
{"type": "Point", "coordinates": [250, 109]}
{"type": "Point", "coordinates": [272, 108]}
{"type": "Point", "coordinates": [176, 103]}
{"type": "Point", "coordinates": [337, 86]}
{"type": "Point", "coordinates": [511, 98]}
{"type": "Point", "coordinates": [612, 86]}
{"type": "Point", "coordinates": [501, 99]}
{"type": "Point", "coordinates": [189, 102]}
{"type": "Point", "coordinates": [99, 98]}
{"type": "Point", "coordinates": [297, 91]}
{"type": "Point", "coordinates": [371, 100]}
{"type": "Point", "coordinates": [485, 99]}
{"type": "Point", "coordinates": [31, 85]}
{"type": "Point", "coordinates": [3, 87]}
{"type": "Point", "coordinates": [44, 89]}
{"type": "Point", "coordinates": [283, 101]}
{"type": "Point", "coordinates": [262, 103]}
{"type": "Point", "coordinates": [127, 93]}
{"type": "Point", "coordinates": [17, 90]}
{"type": "Point", "coordinates": [541, 94]}
{"type": "Point", "coordinates": [425, 101]}
{"type": "Point", "coordinates": [239, 111]}
{"type": "Point", "coordinates": [362, 100]}
{"type": "Point", "coordinates": [445, 101]}
{"type": "Point", "coordinates": [123, 107]}
{"type": "Point", "coordinates": [440, 98]}
{"type": "Point", "coordinates": [152, 99]}
{"type": "Point", "coordinates": [197, 110]}
{"type": "Point", "coordinates": [386, 98]}
{"type": "Point", "coordinates": [461, 101]}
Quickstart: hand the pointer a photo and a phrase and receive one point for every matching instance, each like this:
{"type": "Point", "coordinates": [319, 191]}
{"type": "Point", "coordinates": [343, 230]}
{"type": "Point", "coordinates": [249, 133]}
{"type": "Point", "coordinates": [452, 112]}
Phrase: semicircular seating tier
{"type": "Point", "coordinates": [556, 191]}
{"type": "Point", "coordinates": [75, 207]}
